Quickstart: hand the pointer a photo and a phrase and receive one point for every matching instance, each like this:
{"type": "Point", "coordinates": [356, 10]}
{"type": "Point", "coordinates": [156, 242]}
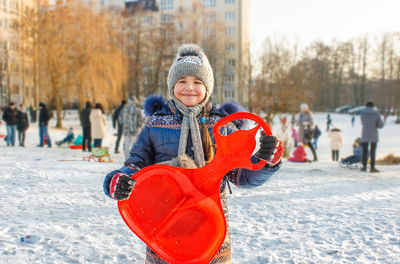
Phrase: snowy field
{"type": "Point", "coordinates": [307, 213]}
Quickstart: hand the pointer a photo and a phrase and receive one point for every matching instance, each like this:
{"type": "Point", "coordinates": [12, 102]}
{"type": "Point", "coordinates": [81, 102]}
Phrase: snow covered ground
{"type": "Point", "coordinates": [307, 213]}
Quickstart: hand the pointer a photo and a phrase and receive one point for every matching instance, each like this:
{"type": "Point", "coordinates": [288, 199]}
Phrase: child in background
{"type": "Point", "coordinates": [69, 138]}
{"type": "Point", "coordinates": [357, 153]}
{"type": "Point", "coordinates": [336, 142]}
{"type": "Point", "coordinates": [299, 154]}
{"type": "Point", "coordinates": [316, 135]}
{"type": "Point", "coordinates": [181, 129]}
{"type": "Point", "coordinates": [295, 136]}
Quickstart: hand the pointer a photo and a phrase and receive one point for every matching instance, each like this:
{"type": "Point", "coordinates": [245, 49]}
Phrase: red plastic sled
{"type": "Point", "coordinates": [177, 212]}
{"type": "Point", "coordinates": [75, 146]}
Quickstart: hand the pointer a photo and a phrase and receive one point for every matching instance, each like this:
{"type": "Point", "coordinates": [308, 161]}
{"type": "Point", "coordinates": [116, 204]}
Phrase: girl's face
{"type": "Point", "coordinates": [190, 90]}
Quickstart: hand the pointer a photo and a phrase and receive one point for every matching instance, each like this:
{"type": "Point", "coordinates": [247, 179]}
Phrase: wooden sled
{"type": "Point", "coordinates": [99, 155]}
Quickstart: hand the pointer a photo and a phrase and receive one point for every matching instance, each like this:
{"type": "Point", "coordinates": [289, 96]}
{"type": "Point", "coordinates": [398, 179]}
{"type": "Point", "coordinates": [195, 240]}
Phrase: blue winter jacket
{"type": "Point", "coordinates": [159, 140]}
{"type": "Point", "coordinates": [357, 151]}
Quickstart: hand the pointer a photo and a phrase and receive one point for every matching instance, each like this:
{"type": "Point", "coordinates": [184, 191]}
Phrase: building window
{"type": "Point", "coordinates": [209, 32]}
{"type": "Point", "coordinates": [229, 77]}
{"type": "Point", "coordinates": [230, 31]}
{"type": "Point", "coordinates": [3, 5]}
{"type": "Point", "coordinates": [167, 4]}
{"type": "Point", "coordinates": [229, 94]}
{"type": "Point", "coordinates": [230, 46]}
{"type": "Point", "coordinates": [211, 17]}
{"type": "Point", "coordinates": [230, 62]}
{"type": "Point", "coordinates": [14, 6]}
{"type": "Point", "coordinates": [210, 3]}
{"type": "Point", "coordinates": [147, 19]}
{"type": "Point", "coordinates": [229, 1]}
{"type": "Point", "coordinates": [229, 15]}
{"type": "Point", "coordinates": [167, 18]}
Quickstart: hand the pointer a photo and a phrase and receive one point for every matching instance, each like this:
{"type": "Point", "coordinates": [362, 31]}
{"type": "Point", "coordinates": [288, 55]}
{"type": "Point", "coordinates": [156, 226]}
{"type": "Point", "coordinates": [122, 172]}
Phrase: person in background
{"type": "Point", "coordinates": [385, 116]}
{"type": "Point", "coordinates": [22, 124]}
{"type": "Point", "coordinates": [357, 153]}
{"type": "Point", "coordinates": [353, 119]}
{"type": "Point", "coordinates": [316, 135]}
{"type": "Point", "coordinates": [98, 124]}
{"type": "Point", "coordinates": [328, 122]}
{"type": "Point", "coordinates": [44, 117]}
{"type": "Point", "coordinates": [295, 136]}
{"type": "Point", "coordinates": [293, 120]}
{"type": "Point", "coordinates": [86, 131]}
{"type": "Point", "coordinates": [117, 124]}
{"type": "Point", "coordinates": [33, 113]}
{"type": "Point", "coordinates": [336, 142]}
{"type": "Point", "coordinates": [69, 138]}
{"type": "Point", "coordinates": [10, 117]}
{"type": "Point", "coordinates": [131, 119]}
{"type": "Point", "coordinates": [299, 154]}
{"type": "Point", "coordinates": [370, 121]}
{"type": "Point", "coordinates": [305, 124]}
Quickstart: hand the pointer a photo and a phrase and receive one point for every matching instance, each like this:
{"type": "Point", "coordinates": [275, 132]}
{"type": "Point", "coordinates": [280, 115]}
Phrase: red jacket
{"type": "Point", "coordinates": [299, 154]}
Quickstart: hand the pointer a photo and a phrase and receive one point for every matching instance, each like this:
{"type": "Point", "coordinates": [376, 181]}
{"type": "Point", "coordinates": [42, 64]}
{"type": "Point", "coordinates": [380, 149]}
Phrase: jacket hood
{"type": "Point", "coordinates": [369, 110]}
{"type": "Point", "coordinates": [157, 104]}
{"type": "Point", "coordinates": [96, 112]}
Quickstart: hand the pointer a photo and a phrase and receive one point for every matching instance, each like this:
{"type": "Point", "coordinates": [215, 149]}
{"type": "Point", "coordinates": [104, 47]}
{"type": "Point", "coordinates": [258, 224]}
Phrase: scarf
{"type": "Point", "coordinates": [189, 122]}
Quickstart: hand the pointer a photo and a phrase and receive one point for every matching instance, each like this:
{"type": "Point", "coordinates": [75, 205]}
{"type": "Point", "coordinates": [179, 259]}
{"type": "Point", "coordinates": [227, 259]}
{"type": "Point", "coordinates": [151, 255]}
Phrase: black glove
{"type": "Point", "coordinates": [271, 149]}
{"type": "Point", "coordinates": [121, 186]}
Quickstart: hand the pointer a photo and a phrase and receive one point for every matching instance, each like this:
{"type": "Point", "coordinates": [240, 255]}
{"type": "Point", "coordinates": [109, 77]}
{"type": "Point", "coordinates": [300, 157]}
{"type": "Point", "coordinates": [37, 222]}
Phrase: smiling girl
{"type": "Point", "coordinates": [179, 133]}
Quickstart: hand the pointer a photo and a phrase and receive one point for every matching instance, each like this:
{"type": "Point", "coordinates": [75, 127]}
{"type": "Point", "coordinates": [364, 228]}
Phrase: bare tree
{"type": "Point", "coordinates": [4, 73]}
{"type": "Point", "coordinates": [276, 86]}
{"type": "Point", "coordinates": [358, 68]}
{"type": "Point", "coordinates": [80, 56]}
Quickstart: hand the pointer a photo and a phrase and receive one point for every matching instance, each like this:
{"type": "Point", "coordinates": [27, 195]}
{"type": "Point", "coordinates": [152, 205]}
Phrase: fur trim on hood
{"type": "Point", "coordinates": [153, 104]}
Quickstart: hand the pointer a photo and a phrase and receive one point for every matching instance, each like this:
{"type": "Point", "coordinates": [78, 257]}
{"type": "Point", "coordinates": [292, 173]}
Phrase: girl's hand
{"type": "Point", "coordinates": [121, 186]}
{"type": "Point", "coordinates": [271, 149]}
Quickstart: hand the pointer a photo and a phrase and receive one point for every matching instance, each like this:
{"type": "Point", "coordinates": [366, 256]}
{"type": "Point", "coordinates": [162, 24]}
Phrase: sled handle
{"type": "Point", "coordinates": [243, 115]}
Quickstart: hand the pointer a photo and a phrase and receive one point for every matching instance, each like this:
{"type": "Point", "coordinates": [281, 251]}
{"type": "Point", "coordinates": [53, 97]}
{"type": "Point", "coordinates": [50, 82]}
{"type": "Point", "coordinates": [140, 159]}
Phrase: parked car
{"type": "Point", "coordinates": [356, 110]}
{"type": "Point", "coordinates": [344, 108]}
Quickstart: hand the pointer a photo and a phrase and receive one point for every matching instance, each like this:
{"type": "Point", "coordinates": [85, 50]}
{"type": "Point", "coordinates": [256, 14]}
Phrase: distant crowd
{"type": "Point", "coordinates": [127, 119]}
{"type": "Point", "coordinates": [307, 135]}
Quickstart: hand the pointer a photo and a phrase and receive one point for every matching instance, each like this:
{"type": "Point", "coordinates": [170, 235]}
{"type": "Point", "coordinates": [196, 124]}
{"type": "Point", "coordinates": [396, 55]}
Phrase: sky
{"type": "Point", "coordinates": [309, 20]}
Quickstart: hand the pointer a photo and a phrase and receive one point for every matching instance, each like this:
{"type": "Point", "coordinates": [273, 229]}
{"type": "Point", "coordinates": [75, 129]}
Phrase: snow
{"type": "Point", "coordinates": [307, 213]}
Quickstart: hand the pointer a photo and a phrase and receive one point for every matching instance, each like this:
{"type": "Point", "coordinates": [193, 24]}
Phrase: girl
{"type": "Point", "coordinates": [98, 124]}
{"type": "Point", "coordinates": [179, 133]}
{"type": "Point", "coordinates": [336, 142]}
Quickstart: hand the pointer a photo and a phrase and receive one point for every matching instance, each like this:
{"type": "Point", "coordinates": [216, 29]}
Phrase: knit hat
{"type": "Point", "coordinates": [191, 61]}
{"type": "Point", "coordinates": [304, 106]}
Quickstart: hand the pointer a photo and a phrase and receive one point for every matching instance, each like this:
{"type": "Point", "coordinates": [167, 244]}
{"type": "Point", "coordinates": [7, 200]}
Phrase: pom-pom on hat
{"type": "Point", "coordinates": [191, 61]}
